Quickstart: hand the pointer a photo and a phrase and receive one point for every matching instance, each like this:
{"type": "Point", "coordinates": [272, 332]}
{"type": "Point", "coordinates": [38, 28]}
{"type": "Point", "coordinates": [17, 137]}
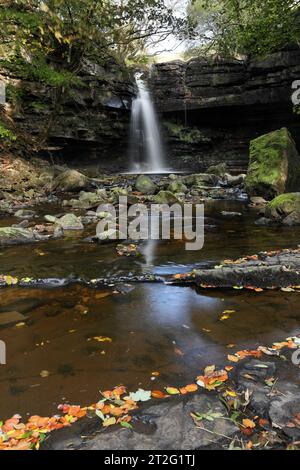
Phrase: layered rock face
{"type": "Point", "coordinates": [89, 123]}
{"type": "Point", "coordinates": [228, 102]}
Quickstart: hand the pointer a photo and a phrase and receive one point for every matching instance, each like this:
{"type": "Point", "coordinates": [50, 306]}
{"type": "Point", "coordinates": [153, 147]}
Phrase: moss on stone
{"type": "Point", "coordinates": [187, 135]}
{"type": "Point", "coordinates": [274, 165]}
{"type": "Point", "coordinates": [283, 205]}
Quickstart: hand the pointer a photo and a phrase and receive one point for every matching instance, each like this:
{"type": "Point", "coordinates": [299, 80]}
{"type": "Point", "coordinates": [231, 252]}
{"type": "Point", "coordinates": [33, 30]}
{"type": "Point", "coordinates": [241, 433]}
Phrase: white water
{"type": "Point", "coordinates": [146, 151]}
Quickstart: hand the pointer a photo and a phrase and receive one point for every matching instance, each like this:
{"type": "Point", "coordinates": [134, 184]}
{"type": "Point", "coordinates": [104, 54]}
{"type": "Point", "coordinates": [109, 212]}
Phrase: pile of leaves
{"type": "Point", "coordinates": [115, 406]}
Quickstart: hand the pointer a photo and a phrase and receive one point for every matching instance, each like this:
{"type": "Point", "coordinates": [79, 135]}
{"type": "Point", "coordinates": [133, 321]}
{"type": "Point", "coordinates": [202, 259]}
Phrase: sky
{"type": "Point", "coordinates": [172, 47]}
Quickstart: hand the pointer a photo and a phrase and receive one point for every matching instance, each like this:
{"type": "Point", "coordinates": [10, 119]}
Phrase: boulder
{"type": "Point", "coordinates": [108, 236]}
{"type": "Point", "coordinates": [70, 181]}
{"type": "Point", "coordinates": [177, 187]}
{"type": "Point", "coordinates": [285, 209]}
{"type": "Point", "coordinates": [219, 170]}
{"type": "Point", "coordinates": [88, 200]}
{"type": "Point", "coordinates": [166, 197]}
{"type": "Point", "coordinates": [200, 179]}
{"type": "Point", "coordinates": [70, 222]}
{"type": "Point", "coordinates": [15, 236]}
{"type": "Point", "coordinates": [25, 214]}
{"type": "Point", "coordinates": [274, 166]}
{"type": "Point", "coordinates": [234, 180]}
{"type": "Point", "coordinates": [145, 185]}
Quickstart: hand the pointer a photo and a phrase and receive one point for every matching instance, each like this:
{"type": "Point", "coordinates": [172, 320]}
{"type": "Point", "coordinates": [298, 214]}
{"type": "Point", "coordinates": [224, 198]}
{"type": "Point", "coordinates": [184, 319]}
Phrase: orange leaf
{"type": "Point", "coordinates": [158, 394]}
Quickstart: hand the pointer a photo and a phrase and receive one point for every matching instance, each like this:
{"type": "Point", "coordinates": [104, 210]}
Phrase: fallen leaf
{"type": "Point", "coordinates": [248, 423]}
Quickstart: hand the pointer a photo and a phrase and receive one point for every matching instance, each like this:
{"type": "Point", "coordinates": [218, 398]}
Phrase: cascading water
{"type": "Point", "coordinates": [146, 149]}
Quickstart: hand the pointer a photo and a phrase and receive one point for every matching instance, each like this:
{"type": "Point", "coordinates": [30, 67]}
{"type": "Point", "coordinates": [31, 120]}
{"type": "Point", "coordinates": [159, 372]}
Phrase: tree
{"type": "Point", "coordinates": [248, 27]}
{"type": "Point", "coordinates": [47, 41]}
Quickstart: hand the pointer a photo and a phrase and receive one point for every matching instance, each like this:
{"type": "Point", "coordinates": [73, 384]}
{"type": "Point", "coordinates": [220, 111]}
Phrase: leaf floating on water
{"type": "Point", "coordinates": [102, 339]}
{"type": "Point", "coordinates": [172, 391]}
{"type": "Point", "coordinates": [158, 394]}
{"type": "Point", "coordinates": [44, 374]}
{"type": "Point", "coordinates": [140, 395]}
{"type": "Point", "coordinates": [188, 389]}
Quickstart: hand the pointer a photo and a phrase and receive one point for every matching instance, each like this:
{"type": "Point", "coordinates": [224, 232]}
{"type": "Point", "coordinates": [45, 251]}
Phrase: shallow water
{"type": "Point", "coordinates": [154, 327]}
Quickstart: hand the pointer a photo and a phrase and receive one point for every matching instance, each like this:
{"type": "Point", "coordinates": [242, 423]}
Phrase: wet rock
{"type": "Point", "coordinates": [177, 187]}
{"type": "Point", "coordinates": [25, 214]}
{"type": "Point", "coordinates": [274, 165]}
{"type": "Point", "coordinates": [264, 222]}
{"type": "Point", "coordinates": [166, 197]}
{"type": "Point", "coordinates": [200, 179]}
{"type": "Point", "coordinates": [285, 209]}
{"type": "Point", "coordinates": [70, 181]}
{"type": "Point", "coordinates": [285, 407]}
{"type": "Point", "coordinates": [50, 218]}
{"type": "Point", "coordinates": [251, 376]}
{"type": "Point", "coordinates": [46, 231]}
{"type": "Point", "coordinates": [219, 170]}
{"type": "Point", "coordinates": [164, 426]}
{"type": "Point", "coordinates": [145, 185]}
{"type": "Point", "coordinates": [276, 270]}
{"type": "Point", "coordinates": [22, 224]}
{"type": "Point", "coordinates": [70, 222]}
{"type": "Point", "coordinates": [234, 180]}
{"type": "Point", "coordinates": [231, 214]}
{"type": "Point", "coordinates": [108, 236]}
{"type": "Point", "coordinates": [258, 201]}
{"type": "Point", "coordinates": [8, 318]}
{"type": "Point", "coordinates": [88, 200]}
{"type": "Point", "coordinates": [15, 236]}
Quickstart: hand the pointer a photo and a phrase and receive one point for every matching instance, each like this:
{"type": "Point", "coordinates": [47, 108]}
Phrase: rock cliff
{"type": "Point", "coordinates": [91, 122]}
{"type": "Point", "coordinates": [213, 108]}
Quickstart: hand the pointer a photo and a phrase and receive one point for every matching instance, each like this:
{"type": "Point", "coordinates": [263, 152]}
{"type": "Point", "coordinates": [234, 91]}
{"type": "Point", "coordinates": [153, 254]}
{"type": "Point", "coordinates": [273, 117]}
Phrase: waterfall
{"type": "Point", "coordinates": [146, 150]}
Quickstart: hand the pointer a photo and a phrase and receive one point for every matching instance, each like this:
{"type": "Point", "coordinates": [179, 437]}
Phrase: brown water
{"type": "Point", "coordinates": [154, 327]}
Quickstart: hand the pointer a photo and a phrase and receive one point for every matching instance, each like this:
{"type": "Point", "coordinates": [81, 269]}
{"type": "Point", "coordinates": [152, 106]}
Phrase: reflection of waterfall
{"type": "Point", "coordinates": [149, 252]}
{"type": "Point", "coordinates": [145, 146]}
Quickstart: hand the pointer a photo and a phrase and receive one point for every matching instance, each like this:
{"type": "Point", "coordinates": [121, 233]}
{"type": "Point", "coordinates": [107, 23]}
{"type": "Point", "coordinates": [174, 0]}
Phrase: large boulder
{"type": "Point", "coordinates": [274, 165]}
{"type": "Point", "coordinates": [145, 185]}
{"type": "Point", "coordinates": [70, 181]}
{"type": "Point", "coordinates": [285, 209]}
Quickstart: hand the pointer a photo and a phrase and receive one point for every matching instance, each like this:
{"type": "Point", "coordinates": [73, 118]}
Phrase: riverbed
{"type": "Point", "coordinates": [75, 341]}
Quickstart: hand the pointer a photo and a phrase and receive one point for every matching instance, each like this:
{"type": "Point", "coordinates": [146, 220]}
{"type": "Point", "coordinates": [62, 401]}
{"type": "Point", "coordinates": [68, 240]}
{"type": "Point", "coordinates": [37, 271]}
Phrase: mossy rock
{"type": "Point", "coordinates": [166, 197]}
{"type": "Point", "coordinates": [15, 236]}
{"type": "Point", "coordinates": [219, 170]}
{"type": "Point", "coordinates": [274, 166]}
{"type": "Point", "coordinates": [70, 181]}
{"type": "Point", "coordinates": [145, 185]}
{"type": "Point", "coordinates": [186, 135]}
{"type": "Point", "coordinates": [177, 187]}
{"type": "Point", "coordinates": [284, 209]}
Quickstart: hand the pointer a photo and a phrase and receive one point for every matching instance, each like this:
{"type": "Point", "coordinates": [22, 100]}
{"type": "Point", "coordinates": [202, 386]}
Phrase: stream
{"type": "Point", "coordinates": [55, 354]}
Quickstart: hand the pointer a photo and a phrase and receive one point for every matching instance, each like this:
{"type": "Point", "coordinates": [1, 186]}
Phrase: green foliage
{"type": "Point", "coordinates": [245, 26]}
{"type": "Point", "coordinates": [5, 134]}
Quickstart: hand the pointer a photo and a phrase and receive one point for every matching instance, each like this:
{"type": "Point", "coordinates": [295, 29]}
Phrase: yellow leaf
{"type": "Point", "coordinates": [172, 391]}
{"type": "Point", "coordinates": [209, 370]}
{"type": "Point", "coordinates": [109, 422]}
{"type": "Point", "coordinates": [102, 339]}
{"type": "Point", "coordinates": [232, 358]}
